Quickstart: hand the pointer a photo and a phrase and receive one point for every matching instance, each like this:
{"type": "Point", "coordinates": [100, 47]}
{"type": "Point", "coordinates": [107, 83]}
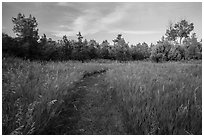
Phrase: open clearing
{"type": "Point", "coordinates": [101, 98]}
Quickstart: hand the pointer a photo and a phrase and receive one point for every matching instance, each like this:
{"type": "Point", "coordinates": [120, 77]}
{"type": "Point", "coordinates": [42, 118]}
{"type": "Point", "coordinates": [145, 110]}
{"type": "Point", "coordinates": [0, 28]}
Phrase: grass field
{"type": "Point", "coordinates": [158, 98]}
{"type": "Point", "coordinates": [161, 98]}
{"type": "Point", "coordinates": [32, 91]}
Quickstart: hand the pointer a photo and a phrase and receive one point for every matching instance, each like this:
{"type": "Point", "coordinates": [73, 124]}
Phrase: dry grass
{"type": "Point", "coordinates": [33, 91]}
{"type": "Point", "coordinates": [158, 98]}
{"type": "Point", "coordinates": [152, 98]}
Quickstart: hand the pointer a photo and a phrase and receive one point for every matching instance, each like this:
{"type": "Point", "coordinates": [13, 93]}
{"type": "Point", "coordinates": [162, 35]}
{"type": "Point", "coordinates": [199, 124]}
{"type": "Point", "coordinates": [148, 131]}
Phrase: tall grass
{"type": "Point", "coordinates": [158, 98]}
{"type": "Point", "coordinates": [34, 91]}
{"type": "Point", "coordinates": [152, 98]}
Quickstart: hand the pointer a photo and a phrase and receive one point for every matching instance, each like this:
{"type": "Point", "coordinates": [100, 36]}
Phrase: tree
{"type": "Point", "coordinates": [121, 48]}
{"type": "Point", "coordinates": [145, 50]}
{"type": "Point", "coordinates": [171, 33]}
{"type": "Point", "coordinates": [160, 52]}
{"type": "Point", "coordinates": [183, 29]}
{"type": "Point", "coordinates": [92, 49]}
{"type": "Point", "coordinates": [180, 30]}
{"type": "Point", "coordinates": [9, 45]}
{"type": "Point", "coordinates": [79, 48]}
{"type": "Point", "coordinates": [176, 53]}
{"type": "Point", "coordinates": [119, 41]}
{"type": "Point", "coordinates": [104, 51]}
{"type": "Point", "coordinates": [67, 48]}
{"type": "Point", "coordinates": [79, 37]}
{"type": "Point", "coordinates": [193, 48]}
{"type": "Point", "coordinates": [43, 39]}
{"type": "Point", "coordinates": [84, 52]}
{"type": "Point", "coordinates": [42, 44]}
{"type": "Point", "coordinates": [25, 28]}
{"type": "Point", "coordinates": [140, 51]}
{"type": "Point", "coordinates": [48, 49]}
{"type": "Point", "coordinates": [27, 32]}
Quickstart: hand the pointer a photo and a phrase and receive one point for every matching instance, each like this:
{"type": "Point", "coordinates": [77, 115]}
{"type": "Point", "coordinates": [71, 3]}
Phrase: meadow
{"type": "Point", "coordinates": [158, 98]}
{"type": "Point", "coordinates": [30, 89]}
{"type": "Point", "coordinates": [152, 98]}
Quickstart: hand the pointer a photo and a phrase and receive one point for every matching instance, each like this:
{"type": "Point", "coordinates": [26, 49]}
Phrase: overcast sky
{"type": "Point", "coordinates": [138, 22]}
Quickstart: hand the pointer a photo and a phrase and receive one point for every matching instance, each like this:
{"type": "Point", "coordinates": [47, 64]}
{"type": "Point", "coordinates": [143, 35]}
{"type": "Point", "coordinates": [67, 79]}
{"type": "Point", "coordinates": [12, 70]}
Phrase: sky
{"type": "Point", "coordinates": [136, 21]}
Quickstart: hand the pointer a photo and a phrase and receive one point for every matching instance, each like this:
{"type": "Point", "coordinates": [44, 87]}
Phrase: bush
{"type": "Point", "coordinates": [176, 53]}
{"type": "Point", "coordinates": [160, 51]}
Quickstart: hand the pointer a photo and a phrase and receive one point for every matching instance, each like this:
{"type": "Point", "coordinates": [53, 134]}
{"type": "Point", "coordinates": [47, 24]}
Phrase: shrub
{"type": "Point", "coordinates": [160, 51]}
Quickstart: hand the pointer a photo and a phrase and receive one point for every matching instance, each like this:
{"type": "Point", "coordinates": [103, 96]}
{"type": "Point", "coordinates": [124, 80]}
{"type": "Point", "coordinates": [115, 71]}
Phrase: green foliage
{"type": "Point", "coordinates": [166, 50]}
{"type": "Point", "coordinates": [27, 32]}
{"type": "Point", "coordinates": [171, 33]}
{"type": "Point", "coordinates": [160, 51]}
{"type": "Point", "coordinates": [180, 30]}
{"type": "Point", "coordinates": [26, 45]}
{"type": "Point", "coordinates": [140, 51]}
{"type": "Point", "coordinates": [80, 37]}
{"type": "Point", "coordinates": [176, 53]}
{"type": "Point", "coordinates": [80, 51]}
{"type": "Point", "coordinates": [92, 48]}
{"type": "Point", "coordinates": [193, 48]}
{"type": "Point", "coordinates": [67, 48]}
{"type": "Point", "coordinates": [14, 46]}
{"type": "Point", "coordinates": [183, 29]}
{"type": "Point", "coordinates": [105, 50]}
{"type": "Point", "coordinates": [8, 44]}
{"type": "Point", "coordinates": [25, 28]}
{"type": "Point", "coordinates": [121, 49]}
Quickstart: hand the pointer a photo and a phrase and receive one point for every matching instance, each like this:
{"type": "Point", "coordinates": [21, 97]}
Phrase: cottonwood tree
{"type": "Point", "coordinates": [180, 30]}
{"type": "Point", "coordinates": [171, 33]}
{"type": "Point", "coordinates": [183, 29]}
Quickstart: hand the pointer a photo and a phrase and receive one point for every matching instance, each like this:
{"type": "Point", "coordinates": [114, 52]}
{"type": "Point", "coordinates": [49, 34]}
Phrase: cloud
{"type": "Point", "coordinates": [60, 34]}
{"type": "Point", "coordinates": [138, 21]}
{"type": "Point", "coordinates": [3, 28]}
{"type": "Point", "coordinates": [117, 15]}
{"type": "Point", "coordinates": [136, 32]}
{"type": "Point", "coordinates": [66, 4]}
{"type": "Point", "coordinates": [96, 18]}
{"type": "Point", "coordinates": [62, 3]}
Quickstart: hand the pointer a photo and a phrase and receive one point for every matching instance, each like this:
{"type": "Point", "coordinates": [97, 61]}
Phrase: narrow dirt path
{"type": "Point", "coordinates": [98, 115]}
{"type": "Point", "coordinates": [88, 111]}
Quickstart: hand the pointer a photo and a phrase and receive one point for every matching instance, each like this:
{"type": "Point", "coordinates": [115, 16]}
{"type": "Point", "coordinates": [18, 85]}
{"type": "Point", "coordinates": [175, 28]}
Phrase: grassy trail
{"type": "Point", "coordinates": [89, 112]}
{"type": "Point", "coordinates": [97, 114]}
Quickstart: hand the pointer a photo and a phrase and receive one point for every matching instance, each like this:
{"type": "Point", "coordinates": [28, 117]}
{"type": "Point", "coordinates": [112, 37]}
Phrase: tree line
{"type": "Point", "coordinates": [176, 45]}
